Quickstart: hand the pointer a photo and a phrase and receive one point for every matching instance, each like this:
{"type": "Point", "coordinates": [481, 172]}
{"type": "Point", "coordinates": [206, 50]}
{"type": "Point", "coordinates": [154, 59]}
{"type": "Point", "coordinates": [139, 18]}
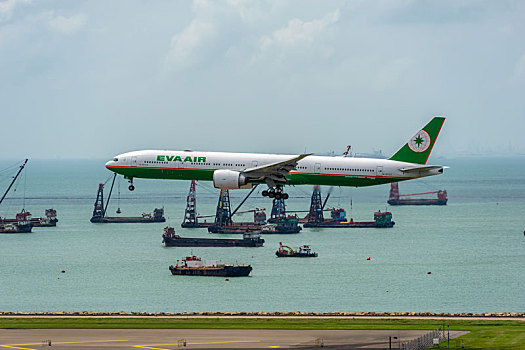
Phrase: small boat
{"type": "Point", "coordinates": [194, 266]}
{"type": "Point", "coordinates": [303, 251]}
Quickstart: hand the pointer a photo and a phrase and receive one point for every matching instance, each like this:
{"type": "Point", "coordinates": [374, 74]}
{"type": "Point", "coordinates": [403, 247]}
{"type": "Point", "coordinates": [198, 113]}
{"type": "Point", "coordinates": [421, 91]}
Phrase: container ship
{"type": "Point", "coordinates": [249, 239]}
{"type": "Point", "coordinates": [193, 266]}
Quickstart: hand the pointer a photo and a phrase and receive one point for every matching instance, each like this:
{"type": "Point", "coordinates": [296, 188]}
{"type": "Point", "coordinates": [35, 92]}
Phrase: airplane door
{"type": "Point", "coordinates": [134, 161]}
{"type": "Point", "coordinates": [379, 171]}
{"type": "Point", "coordinates": [317, 168]}
{"type": "Point", "coordinates": [254, 164]}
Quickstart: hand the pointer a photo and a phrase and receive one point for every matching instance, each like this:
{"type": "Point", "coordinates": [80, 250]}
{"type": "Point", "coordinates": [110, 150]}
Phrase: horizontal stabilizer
{"type": "Point", "coordinates": [422, 168]}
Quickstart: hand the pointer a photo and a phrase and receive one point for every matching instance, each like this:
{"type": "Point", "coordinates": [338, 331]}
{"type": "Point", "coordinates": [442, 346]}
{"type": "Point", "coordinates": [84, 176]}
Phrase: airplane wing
{"type": "Point", "coordinates": [274, 172]}
{"type": "Point", "coordinates": [422, 168]}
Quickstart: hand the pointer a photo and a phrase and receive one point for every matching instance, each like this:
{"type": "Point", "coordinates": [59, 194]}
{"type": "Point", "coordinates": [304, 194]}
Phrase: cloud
{"type": "Point", "coordinates": [297, 34]}
{"type": "Point", "coordinates": [67, 25]}
{"type": "Point", "coordinates": [185, 47]}
{"type": "Point", "coordinates": [8, 7]}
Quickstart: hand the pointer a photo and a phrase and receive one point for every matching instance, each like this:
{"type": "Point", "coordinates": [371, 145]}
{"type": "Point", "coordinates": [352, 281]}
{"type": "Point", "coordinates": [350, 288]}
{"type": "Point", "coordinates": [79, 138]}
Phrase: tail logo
{"type": "Point", "coordinates": [420, 142]}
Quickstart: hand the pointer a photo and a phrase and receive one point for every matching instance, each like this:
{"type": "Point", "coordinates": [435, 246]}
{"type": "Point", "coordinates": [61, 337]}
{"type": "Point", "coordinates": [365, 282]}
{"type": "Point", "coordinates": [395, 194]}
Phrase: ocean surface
{"type": "Point", "coordinates": [474, 247]}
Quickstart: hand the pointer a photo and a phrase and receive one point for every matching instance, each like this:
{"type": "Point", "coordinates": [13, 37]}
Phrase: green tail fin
{"type": "Point", "coordinates": [418, 148]}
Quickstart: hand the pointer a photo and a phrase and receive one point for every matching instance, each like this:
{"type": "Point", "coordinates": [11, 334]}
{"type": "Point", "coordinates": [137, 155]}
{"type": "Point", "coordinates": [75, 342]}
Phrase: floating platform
{"type": "Point", "coordinates": [381, 220]}
{"type": "Point", "coordinates": [193, 266]}
{"type": "Point", "coordinates": [249, 239]}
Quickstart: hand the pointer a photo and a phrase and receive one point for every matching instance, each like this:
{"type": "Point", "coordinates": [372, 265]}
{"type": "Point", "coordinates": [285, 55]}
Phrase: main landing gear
{"type": "Point", "coordinates": [131, 187]}
{"type": "Point", "coordinates": [276, 193]}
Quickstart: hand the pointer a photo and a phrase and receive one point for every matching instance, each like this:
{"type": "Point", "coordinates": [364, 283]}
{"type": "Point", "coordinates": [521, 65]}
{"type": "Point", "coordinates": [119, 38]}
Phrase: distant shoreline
{"type": "Point", "coordinates": [276, 314]}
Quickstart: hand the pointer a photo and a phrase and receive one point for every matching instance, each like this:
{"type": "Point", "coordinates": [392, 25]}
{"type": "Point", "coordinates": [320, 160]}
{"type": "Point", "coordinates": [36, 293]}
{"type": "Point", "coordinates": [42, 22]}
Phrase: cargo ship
{"type": "Point", "coordinates": [22, 224]}
{"type": "Point", "coordinates": [395, 197]}
{"type": "Point", "coordinates": [50, 220]}
{"type": "Point", "coordinates": [303, 251]}
{"type": "Point", "coordinates": [381, 220]}
{"type": "Point", "coordinates": [249, 239]}
{"type": "Point", "coordinates": [193, 266]}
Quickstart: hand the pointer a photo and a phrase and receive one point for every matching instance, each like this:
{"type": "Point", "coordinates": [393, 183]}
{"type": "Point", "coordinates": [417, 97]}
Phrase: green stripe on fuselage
{"type": "Point", "coordinates": [294, 178]}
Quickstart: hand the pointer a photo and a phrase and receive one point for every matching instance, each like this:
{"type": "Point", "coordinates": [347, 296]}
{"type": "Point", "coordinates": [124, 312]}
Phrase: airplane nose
{"type": "Point", "coordinates": [109, 164]}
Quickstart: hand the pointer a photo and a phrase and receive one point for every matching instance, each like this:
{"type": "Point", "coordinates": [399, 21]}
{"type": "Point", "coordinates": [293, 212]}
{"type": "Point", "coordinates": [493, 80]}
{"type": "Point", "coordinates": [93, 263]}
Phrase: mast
{"type": "Point", "coordinates": [316, 207]}
{"type": "Point", "coordinates": [14, 179]}
{"type": "Point", "coordinates": [190, 214]}
{"type": "Point", "coordinates": [223, 216]}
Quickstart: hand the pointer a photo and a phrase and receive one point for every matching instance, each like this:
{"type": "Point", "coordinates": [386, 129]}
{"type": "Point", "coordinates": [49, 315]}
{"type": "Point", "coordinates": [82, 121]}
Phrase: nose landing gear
{"type": "Point", "coordinates": [276, 193]}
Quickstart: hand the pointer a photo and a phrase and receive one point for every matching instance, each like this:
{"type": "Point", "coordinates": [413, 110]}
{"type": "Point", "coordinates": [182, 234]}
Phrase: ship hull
{"type": "Point", "coordinates": [123, 220]}
{"type": "Point", "coordinates": [17, 229]}
{"type": "Point", "coordinates": [429, 201]}
{"type": "Point", "coordinates": [346, 224]}
{"type": "Point", "coordinates": [211, 242]}
{"type": "Point", "coordinates": [221, 271]}
{"type": "Point", "coordinates": [296, 255]}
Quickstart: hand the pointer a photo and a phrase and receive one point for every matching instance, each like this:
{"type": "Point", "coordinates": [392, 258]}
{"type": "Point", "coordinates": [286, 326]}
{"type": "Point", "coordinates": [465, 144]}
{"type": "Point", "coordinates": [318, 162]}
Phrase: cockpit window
{"type": "Point", "coordinates": [115, 159]}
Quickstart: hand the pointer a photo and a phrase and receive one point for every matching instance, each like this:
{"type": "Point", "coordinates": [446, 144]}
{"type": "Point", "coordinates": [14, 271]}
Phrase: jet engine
{"type": "Point", "coordinates": [230, 179]}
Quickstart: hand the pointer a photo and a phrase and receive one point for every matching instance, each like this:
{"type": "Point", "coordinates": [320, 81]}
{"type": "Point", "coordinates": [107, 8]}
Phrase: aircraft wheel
{"type": "Point", "coordinates": [271, 194]}
{"type": "Point", "coordinates": [278, 196]}
{"type": "Point", "coordinates": [131, 187]}
{"type": "Point", "coordinates": [285, 196]}
{"type": "Point", "coordinates": [265, 193]}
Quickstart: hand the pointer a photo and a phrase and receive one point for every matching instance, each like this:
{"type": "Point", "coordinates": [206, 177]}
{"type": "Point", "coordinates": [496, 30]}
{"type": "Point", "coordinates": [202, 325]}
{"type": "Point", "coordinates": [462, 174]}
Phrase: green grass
{"type": "Point", "coordinates": [483, 334]}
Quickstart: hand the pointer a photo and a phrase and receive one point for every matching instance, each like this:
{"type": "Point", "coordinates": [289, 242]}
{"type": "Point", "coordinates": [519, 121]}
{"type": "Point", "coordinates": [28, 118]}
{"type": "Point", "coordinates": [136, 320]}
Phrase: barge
{"type": "Point", "coordinates": [303, 251]}
{"type": "Point", "coordinates": [381, 220]}
{"type": "Point", "coordinates": [99, 212]}
{"type": "Point", "coordinates": [249, 239]}
{"type": "Point", "coordinates": [193, 266]}
{"type": "Point", "coordinates": [22, 224]}
{"type": "Point", "coordinates": [395, 197]}
{"type": "Point", "coordinates": [158, 216]}
{"type": "Point", "coordinates": [50, 220]}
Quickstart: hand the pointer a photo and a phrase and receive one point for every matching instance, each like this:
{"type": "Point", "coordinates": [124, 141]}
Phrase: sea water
{"type": "Point", "coordinates": [474, 247]}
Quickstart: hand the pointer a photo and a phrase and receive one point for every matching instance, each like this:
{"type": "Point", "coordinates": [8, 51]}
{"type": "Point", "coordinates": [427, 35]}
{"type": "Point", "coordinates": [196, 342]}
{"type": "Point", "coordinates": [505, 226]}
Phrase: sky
{"type": "Point", "coordinates": [92, 79]}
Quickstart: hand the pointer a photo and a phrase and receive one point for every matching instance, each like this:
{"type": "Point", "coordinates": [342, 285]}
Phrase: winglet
{"type": "Point", "coordinates": [418, 148]}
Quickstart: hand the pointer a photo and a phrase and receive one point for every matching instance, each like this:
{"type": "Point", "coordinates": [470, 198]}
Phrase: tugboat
{"type": "Point", "coordinates": [304, 251]}
{"type": "Point", "coordinates": [193, 266]}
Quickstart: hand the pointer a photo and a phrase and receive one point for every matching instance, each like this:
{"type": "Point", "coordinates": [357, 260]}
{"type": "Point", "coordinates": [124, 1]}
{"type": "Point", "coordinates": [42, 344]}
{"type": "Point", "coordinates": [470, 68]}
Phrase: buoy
{"type": "Point", "coordinates": [387, 290]}
{"type": "Point", "coordinates": [368, 258]}
{"type": "Point", "coordinates": [63, 271]}
{"type": "Point", "coordinates": [58, 277]}
{"type": "Point", "coordinates": [227, 279]}
{"type": "Point", "coordinates": [429, 273]}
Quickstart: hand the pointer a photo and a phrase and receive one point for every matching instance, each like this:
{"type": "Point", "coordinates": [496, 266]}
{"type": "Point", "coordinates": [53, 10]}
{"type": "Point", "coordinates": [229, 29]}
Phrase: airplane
{"type": "Point", "coordinates": [243, 170]}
